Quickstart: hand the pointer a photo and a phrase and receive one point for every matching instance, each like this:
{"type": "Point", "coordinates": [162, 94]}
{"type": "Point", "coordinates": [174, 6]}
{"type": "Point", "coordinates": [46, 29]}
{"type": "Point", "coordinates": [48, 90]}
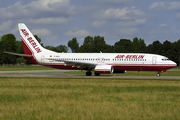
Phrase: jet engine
{"type": "Point", "coordinates": [104, 69]}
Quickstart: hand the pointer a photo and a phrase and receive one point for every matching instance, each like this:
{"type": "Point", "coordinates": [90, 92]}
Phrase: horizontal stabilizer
{"type": "Point", "coordinates": [23, 55]}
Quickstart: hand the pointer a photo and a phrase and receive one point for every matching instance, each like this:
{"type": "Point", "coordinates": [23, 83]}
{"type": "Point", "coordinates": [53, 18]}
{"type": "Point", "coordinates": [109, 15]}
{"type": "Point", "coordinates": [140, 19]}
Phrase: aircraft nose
{"type": "Point", "coordinates": [173, 64]}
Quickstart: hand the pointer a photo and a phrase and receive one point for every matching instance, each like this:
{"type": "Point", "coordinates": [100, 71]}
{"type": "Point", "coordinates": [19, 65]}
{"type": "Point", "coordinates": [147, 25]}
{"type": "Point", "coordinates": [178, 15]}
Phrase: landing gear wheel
{"type": "Point", "coordinates": [158, 74]}
{"type": "Point", "coordinates": [96, 74]}
{"type": "Point", "coordinates": [88, 73]}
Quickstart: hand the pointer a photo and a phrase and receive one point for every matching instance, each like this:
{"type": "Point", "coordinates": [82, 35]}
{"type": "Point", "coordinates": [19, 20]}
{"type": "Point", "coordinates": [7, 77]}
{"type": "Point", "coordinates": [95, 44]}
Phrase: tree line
{"type": "Point", "coordinates": [91, 44]}
{"type": "Point", "coordinates": [97, 44]}
{"type": "Point", "coordinates": [9, 43]}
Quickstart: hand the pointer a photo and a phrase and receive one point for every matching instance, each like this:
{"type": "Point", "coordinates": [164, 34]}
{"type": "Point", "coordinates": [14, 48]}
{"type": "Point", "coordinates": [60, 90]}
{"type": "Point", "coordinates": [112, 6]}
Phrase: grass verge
{"type": "Point", "coordinates": [45, 98]}
{"type": "Point", "coordinates": [24, 67]}
{"type": "Point", "coordinates": [171, 72]}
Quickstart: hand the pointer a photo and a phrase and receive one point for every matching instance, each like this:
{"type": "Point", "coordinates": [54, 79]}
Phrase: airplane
{"type": "Point", "coordinates": [100, 63]}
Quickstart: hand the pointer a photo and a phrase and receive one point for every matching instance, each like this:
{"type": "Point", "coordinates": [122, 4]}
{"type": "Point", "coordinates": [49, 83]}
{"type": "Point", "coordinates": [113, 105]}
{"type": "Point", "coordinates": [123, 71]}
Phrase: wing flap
{"type": "Point", "coordinates": [75, 63]}
{"type": "Point", "coordinates": [80, 64]}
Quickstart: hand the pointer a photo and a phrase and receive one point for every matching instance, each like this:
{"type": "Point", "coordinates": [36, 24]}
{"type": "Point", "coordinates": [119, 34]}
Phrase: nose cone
{"type": "Point", "coordinates": [173, 64]}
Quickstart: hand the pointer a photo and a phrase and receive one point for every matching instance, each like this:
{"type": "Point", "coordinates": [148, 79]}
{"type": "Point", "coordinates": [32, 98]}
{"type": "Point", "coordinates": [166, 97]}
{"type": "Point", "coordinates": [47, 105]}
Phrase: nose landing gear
{"type": "Point", "coordinates": [158, 75]}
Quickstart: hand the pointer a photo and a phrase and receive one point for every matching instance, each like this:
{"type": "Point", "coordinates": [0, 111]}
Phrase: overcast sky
{"type": "Point", "coordinates": [58, 21]}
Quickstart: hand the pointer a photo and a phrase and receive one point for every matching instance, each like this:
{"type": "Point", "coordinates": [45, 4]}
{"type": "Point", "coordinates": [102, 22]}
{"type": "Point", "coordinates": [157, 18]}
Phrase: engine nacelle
{"type": "Point", "coordinates": [104, 69]}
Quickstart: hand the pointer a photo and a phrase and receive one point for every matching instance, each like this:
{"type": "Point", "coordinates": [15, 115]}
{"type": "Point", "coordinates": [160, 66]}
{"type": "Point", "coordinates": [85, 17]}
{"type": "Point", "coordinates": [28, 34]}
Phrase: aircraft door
{"type": "Point", "coordinates": [154, 59]}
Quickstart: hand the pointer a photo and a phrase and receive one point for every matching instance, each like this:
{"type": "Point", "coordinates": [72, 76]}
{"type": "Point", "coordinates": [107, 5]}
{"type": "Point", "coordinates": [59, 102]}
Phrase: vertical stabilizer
{"type": "Point", "coordinates": [30, 44]}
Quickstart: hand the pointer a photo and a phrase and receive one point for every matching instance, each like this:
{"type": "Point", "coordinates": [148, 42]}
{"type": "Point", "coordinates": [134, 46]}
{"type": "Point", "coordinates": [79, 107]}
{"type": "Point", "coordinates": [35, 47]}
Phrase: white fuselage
{"type": "Point", "coordinates": [119, 61]}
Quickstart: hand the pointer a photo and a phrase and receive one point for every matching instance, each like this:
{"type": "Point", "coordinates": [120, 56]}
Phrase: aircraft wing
{"type": "Point", "coordinates": [23, 55]}
{"type": "Point", "coordinates": [76, 64]}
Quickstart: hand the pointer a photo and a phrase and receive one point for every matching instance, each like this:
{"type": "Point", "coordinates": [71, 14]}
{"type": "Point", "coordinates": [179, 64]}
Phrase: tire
{"type": "Point", "coordinates": [88, 73]}
{"type": "Point", "coordinates": [158, 74]}
{"type": "Point", "coordinates": [96, 74]}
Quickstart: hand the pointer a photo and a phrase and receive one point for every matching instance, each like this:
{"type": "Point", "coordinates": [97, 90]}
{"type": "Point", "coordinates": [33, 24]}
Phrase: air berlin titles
{"type": "Point", "coordinates": [130, 56]}
{"type": "Point", "coordinates": [31, 41]}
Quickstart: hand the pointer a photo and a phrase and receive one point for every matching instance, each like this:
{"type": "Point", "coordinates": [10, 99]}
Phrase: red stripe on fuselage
{"type": "Point", "coordinates": [144, 67]}
{"type": "Point", "coordinates": [120, 67]}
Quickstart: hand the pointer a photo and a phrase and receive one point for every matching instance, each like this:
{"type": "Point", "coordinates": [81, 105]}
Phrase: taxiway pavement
{"type": "Point", "coordinates": [63, 74]}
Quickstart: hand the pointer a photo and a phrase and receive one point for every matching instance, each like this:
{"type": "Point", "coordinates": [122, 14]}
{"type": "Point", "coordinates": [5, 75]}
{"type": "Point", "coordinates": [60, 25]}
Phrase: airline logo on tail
{"type": "Point", "coordinates": [31, 41]}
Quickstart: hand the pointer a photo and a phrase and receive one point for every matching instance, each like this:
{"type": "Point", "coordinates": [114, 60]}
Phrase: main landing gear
{"type": "Point", "coordinates": [96, 74]}
{"type": "Point", "coordinates": [89, 73]}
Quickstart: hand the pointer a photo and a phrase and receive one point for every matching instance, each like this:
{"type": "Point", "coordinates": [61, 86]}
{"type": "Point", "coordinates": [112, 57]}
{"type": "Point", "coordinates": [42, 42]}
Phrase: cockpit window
{"type": "Point", "coordinates": [165, 59]}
